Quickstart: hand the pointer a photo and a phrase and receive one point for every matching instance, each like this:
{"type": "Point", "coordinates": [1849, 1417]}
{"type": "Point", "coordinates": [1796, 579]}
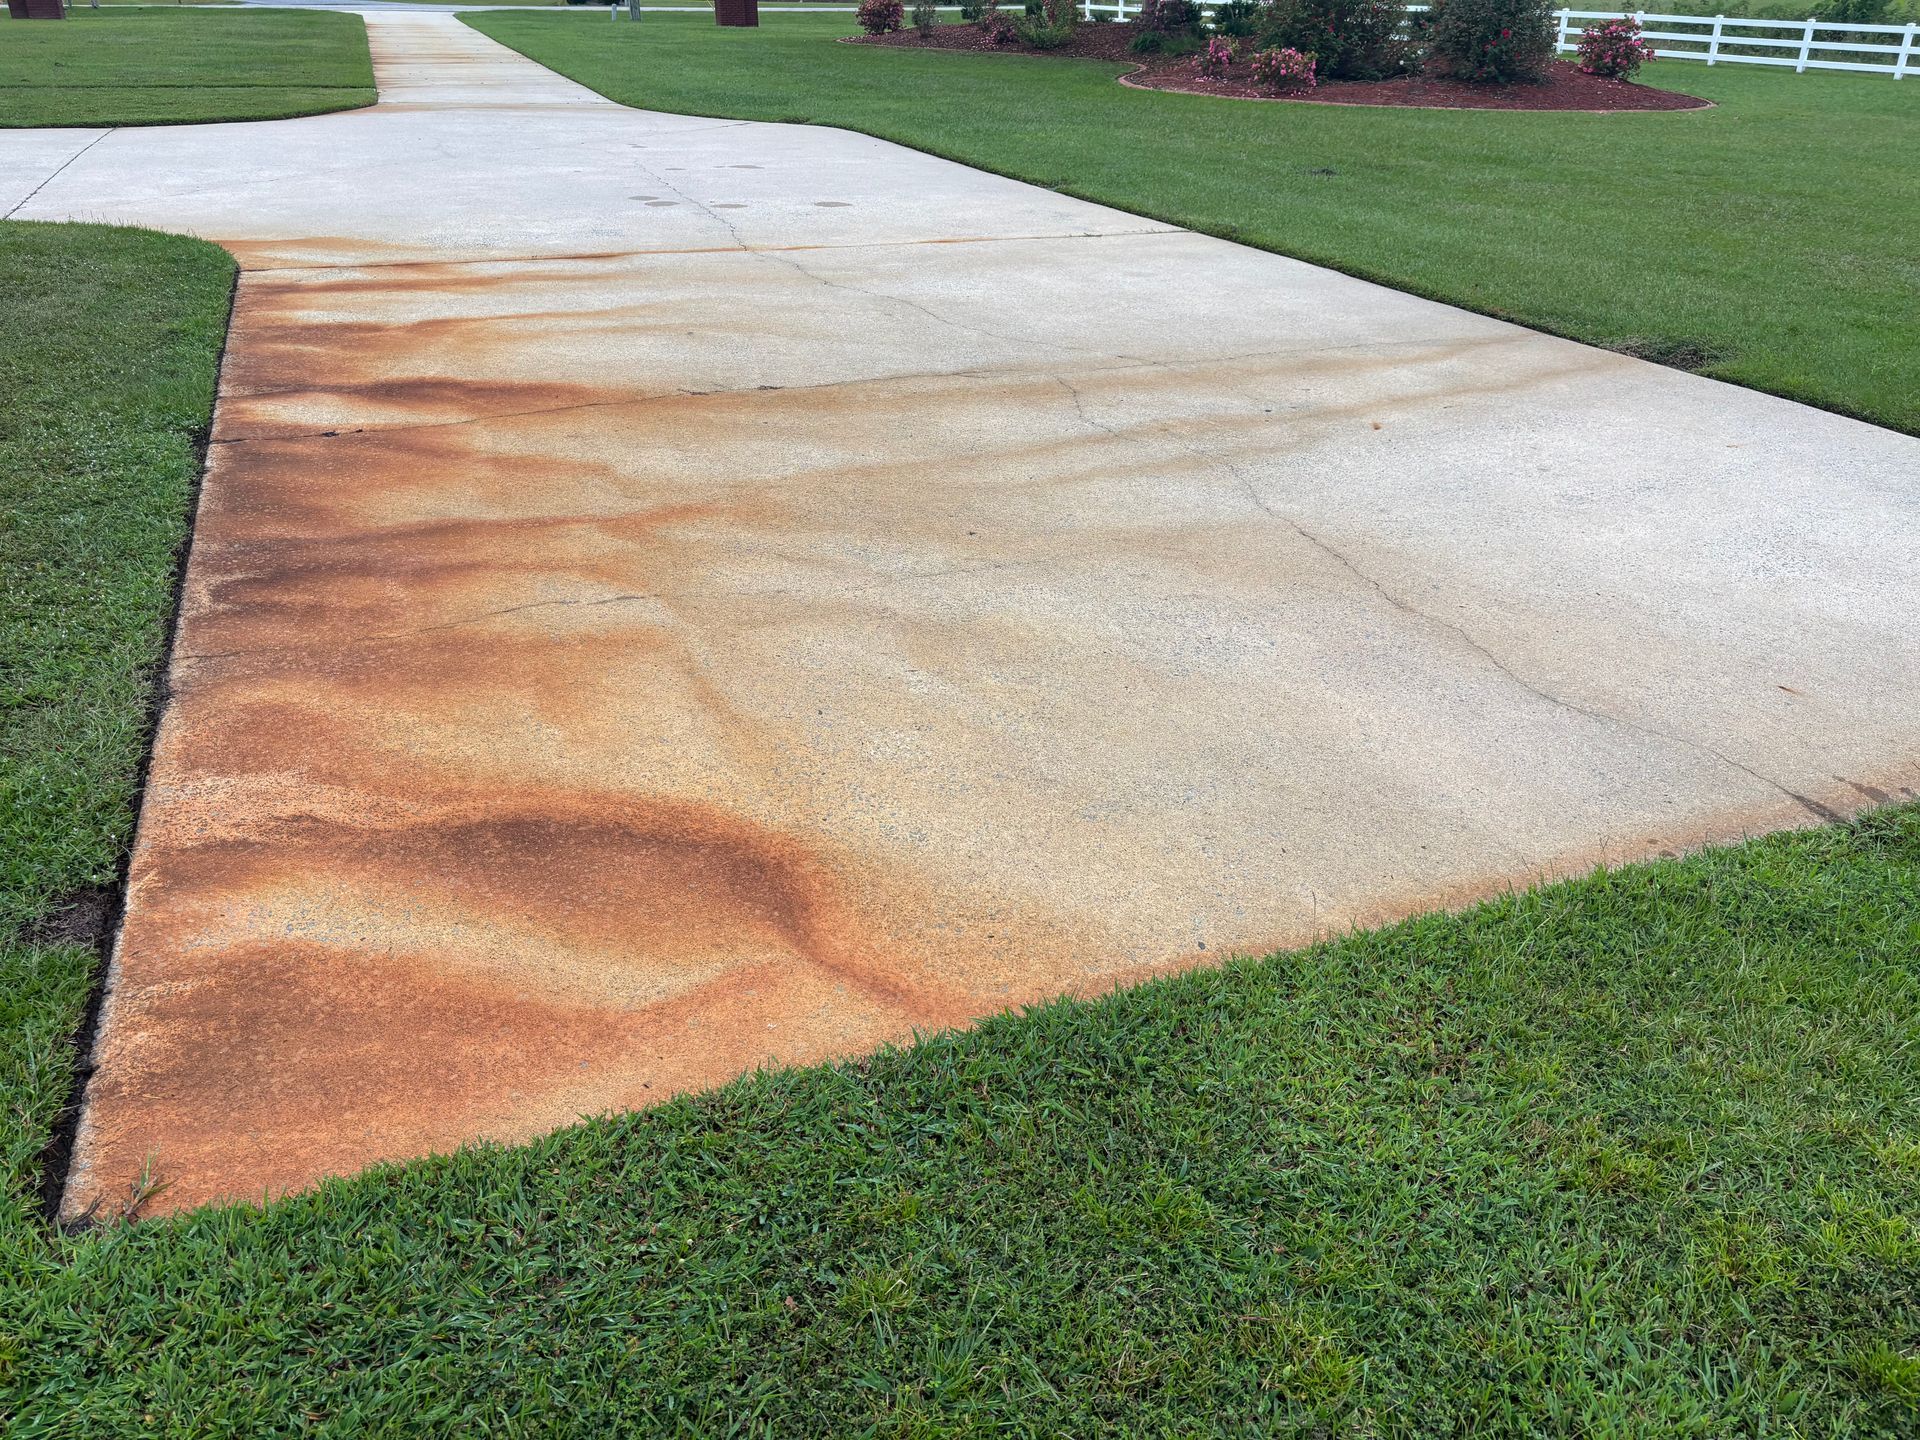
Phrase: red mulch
{"type": "Point", "coordinates": [1092, 41]}
{"type": "Point", "coordinates": [1565, 88]}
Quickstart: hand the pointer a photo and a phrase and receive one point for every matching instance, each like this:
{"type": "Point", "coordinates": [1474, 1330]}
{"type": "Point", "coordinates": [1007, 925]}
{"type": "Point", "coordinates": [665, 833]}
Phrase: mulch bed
{"type": "Point", "coordinates": [1094, 41]}
{"type": "Point", "coordinates": [1565, 88]}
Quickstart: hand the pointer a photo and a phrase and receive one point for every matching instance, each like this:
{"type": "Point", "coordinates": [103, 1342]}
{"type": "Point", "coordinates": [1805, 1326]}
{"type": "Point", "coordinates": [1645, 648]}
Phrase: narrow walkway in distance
{"type": "Point", "coordinates": [672, 593]}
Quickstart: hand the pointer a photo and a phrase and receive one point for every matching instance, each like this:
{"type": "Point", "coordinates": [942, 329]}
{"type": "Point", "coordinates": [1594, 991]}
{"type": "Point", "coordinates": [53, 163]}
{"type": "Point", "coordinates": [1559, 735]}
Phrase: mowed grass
{"type": "Point", "coordinates": [179, 66]}
{"type": "Point", "coordinates": [1637, 1155]}
{"type": "Point", "coordinates": [109, 344]}
{"type": "Point", "coordinates": [1633, 1156]}
{"type": "Point", "coordinates": [1769, 241]}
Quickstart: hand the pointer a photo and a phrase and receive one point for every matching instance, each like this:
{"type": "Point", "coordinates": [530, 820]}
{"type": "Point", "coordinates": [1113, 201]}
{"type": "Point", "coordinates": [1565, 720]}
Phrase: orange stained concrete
{"type": "Point", "coordinates": [686, 595]}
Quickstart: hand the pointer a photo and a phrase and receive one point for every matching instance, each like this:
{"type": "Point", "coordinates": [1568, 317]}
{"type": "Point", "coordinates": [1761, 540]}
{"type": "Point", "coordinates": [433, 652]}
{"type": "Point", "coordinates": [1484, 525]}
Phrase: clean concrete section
{"type": "Point", "coordinates": [671, 594]}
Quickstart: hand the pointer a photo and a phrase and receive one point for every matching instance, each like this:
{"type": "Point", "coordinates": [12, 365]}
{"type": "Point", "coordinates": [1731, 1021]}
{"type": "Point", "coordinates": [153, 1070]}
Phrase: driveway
{"type": "Point", "coordinates": [672, 594]}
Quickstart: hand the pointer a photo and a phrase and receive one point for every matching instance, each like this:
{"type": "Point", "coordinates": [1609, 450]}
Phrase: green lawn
{"type": "Point", "coordinates": [109, 342]}
{"type": "Point", "coordinates": [180, 65]}
{"type": "Point", "coordinates": [1637, 1155]}
{"type": "Point", "coordinates": [1633, 1156]}
{"type": "Point", "coordinates": [1774, 235]}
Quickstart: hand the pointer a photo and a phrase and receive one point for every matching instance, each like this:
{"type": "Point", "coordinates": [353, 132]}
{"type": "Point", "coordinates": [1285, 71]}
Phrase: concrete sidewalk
{"type": "Point", "coordinates": [672, 593]}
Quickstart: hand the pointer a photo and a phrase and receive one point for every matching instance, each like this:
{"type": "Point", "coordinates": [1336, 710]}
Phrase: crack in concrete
{"type": "Point", "coordinates": [1459, 632]}
{"type": "Point", "coordinates": [57, 171]}
{"type": "Point", "coordinates": [785, 257]}
{"type": "Point", "coordinates": [836, 802]}
{"type": "Point", "coordinates": [913, 305]}
{"type": "Point", "coordinates": [913, 577]}
{"type": "Point", "coordinates": [1080, 406]}
{"type": "Point", "coordinates": [1479, 647]}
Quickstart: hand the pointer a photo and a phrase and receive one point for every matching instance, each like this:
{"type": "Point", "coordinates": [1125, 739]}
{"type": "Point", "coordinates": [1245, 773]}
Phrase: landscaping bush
{"type": "Point", "coordinates": [926, 18]}
{"type": "Point", "coordinates": [1858, 12]}
{"type": "Point", "coordinates": [1170, 27]}
{"type": "Point", "coordinates": [1167, 27]}
{"type": "Point", "coordinates": [1492, 40]}
{"type": "Point", "coordinates": [1153, 42]}
{"type": "Point", "coordinates": [1283, 69]}
{"type": "Point", "coordinates": [996, 25]}
{"type": "Point", "coordinates": [1236, 17]}
{"type": "Point", "coordinates": [1217, 58]}
{"type": "Point", "coordinates": [1861, 12]}
{"type": "Point", "coordinates": [1613, 48]}
{"type": "Point", "coordinates": [1051, 28]}
{"type": "Point", "coordinates": [1349, 39]}
{"type": "Point", "coordinates": [972, 10]}
{"type": "Point", "coordinates": [1168, 17]}
{"type": "Point", "coordinates": [880, 17]}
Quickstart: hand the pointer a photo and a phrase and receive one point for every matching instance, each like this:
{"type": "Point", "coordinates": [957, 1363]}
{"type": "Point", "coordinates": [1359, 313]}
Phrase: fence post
{"type": "Point", "coordinates": [1806, 48]}
{"type": "Point", "coordinates": [1560, 40]}
{"type": "Point", "coordinates": [1906, 51]}
{"type": "Point", "coordinates": [1713, 45]}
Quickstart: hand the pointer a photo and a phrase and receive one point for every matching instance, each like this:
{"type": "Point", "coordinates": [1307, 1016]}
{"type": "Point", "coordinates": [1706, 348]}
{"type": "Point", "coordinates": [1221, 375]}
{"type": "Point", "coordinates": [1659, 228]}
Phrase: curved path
{"type": "Point", "coordinates": [673, 593]}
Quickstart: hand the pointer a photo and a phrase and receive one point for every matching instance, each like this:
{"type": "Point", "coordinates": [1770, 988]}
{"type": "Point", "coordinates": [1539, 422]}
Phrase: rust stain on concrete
{"type": "Point", "coordinates": [600, 673]}
{"type": "Point", "coordinates": [359, 929]}
{"type": "Point", "coordinates": [522, 763]}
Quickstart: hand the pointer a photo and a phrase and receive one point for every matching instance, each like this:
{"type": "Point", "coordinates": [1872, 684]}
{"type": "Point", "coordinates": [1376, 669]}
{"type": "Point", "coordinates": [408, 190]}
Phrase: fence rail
{"type": "Point", "coordinates": [1719, 39]}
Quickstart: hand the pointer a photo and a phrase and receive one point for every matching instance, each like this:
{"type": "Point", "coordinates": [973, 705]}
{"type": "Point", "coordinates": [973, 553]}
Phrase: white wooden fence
{"type": "Point", "coordinates": [1725, 40]}
{"type": "Point", "coordinates": [1799, 45]}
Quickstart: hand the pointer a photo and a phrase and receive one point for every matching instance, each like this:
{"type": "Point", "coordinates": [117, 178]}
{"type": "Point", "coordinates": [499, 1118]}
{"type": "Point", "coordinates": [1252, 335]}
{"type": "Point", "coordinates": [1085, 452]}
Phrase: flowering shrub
{"type": "Point", "coordinates": [1350, 39]}
{"type": "Point", "coordinates": [997, 27]}
{"type": "Point", "coordinates": [1503, 40]}
{"type": "Point", "coordinates": [1166, 17]}
{"type": "Point", "coordinates": [1235, 17]}
{"type": "Point", "coordinates": [1613, 48]}
{"type": "Point", "coordinates": [1217, 58]}
{"type": "Point", "coordinates": [1277, 69]}
{"type": "Point", "coordinates": [880, 17]}
{"type": "Point", "coordinates": [1048, 24]}
{"type": "Point", "coordinates": [1166, 27]}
